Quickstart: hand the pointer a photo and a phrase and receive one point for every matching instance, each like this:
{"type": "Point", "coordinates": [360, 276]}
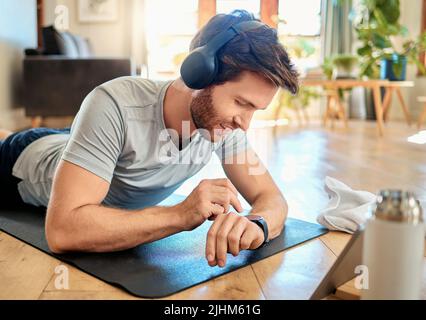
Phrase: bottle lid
{"type": "Point", "coordinates": [398, 206]}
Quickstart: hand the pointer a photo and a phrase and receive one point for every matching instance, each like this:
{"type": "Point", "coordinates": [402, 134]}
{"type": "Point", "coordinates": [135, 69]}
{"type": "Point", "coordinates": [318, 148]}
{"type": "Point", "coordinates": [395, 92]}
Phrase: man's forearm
{"type": "Point", "coordinates": [95, 228]}
{"type": "Point", "coordinates": [273, 208]}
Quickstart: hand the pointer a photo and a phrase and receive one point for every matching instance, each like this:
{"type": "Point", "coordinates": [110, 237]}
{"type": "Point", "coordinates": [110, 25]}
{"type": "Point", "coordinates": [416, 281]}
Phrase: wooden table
{"type": "Point", "coordinates": [332, 87]}
{"type": "Point", "coordinates": [395, 86]}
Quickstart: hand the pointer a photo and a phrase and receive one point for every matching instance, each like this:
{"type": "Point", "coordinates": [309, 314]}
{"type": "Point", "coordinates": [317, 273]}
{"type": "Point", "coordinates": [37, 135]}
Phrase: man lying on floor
{"type": "Point", "coordinates": [102, 179]}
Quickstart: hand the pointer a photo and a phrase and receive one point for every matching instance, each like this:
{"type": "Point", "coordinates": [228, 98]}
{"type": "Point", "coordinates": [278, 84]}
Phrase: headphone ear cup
{"type": "Point", "coordinates": [199, 69]}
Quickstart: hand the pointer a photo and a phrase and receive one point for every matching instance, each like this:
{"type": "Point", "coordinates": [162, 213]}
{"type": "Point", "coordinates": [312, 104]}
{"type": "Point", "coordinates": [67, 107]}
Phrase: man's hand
{"type": "Point", "coordinates": [208, 200]}
{"type": "Point", "coordinates": [231, 233]}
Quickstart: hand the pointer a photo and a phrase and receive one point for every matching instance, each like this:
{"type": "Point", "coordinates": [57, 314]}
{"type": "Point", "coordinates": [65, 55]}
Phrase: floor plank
{"type": "Point", "coordinates": [24, 271]}
{"type": "Point", "coordinates": [79, 281]}
{"type": "Point", "coordinates": [240, 284]}
{"type": "Point", "coordinates": [336, 241]}
{"type": "Point", "coordinates": [85, 295]}
{"type": "Point", "coordinates": [294, 274]}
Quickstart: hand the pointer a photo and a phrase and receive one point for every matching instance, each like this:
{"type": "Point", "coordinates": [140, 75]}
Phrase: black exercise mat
{"type": "Point", "coordinates": [157, 269]}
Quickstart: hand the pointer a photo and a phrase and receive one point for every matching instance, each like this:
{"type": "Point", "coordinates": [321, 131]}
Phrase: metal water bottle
{"type": "Point", "coordinates": [393, 248]}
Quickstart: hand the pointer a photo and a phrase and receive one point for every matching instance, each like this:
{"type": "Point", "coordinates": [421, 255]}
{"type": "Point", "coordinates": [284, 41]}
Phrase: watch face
{"type": "Point", "coordinates": [254, 217]}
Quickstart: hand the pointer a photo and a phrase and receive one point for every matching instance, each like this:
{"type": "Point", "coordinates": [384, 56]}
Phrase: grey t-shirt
{"type": "Point", "coordinates": [120, 136]}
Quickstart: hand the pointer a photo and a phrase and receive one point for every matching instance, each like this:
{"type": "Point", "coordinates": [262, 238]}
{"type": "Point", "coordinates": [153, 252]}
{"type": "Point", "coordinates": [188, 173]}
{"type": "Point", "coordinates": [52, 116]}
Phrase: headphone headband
{"type": "Point", "coordinates": [247, 26]}
{"type": "Point", "coordinates": [224, 37]}
{"type": "Point", "coordinates": [200, 67]}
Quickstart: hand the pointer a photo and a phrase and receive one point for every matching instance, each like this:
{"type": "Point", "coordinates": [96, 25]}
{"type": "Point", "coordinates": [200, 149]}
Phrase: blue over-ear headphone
{"type": "Point", "coordinates": [200, 68]}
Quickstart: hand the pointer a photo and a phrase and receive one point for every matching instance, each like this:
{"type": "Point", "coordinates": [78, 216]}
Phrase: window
{"type": "Point", "coordinates": [299, 28]}
{"type": "Point", "coordinates": [226, 6]}
{"type": "Point", "coordinates": [300, 17]}
{"type": "Point", "coordinates": [170, 26]}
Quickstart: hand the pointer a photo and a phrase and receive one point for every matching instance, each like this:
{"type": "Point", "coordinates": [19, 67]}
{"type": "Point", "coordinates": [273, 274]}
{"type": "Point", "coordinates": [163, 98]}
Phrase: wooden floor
{"type": "Point", "coordinates": [299, 159]}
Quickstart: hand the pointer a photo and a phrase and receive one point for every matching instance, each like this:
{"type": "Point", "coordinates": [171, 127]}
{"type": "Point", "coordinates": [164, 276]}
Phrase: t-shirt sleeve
{"type": "Point", "coordinates": [97, 135]}
{"type": "Point", "coordinates": [233, 144]}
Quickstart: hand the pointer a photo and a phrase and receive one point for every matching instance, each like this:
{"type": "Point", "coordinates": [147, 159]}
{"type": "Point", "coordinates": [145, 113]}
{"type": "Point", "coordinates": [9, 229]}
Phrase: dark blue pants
{"type": "Point", "coordinates": [10, 149]}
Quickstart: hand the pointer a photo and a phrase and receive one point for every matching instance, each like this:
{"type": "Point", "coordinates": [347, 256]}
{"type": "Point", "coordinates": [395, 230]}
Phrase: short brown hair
{"type": "Point", "coordinates": [257, 50]}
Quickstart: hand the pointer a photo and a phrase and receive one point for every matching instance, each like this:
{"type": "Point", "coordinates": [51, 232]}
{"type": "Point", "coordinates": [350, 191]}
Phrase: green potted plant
{"type": "Point", "coordinates": [341, 66]}
{"type": "Point", "coordinates": [394, 66]}
{"type": "Point", "coordinates": [377, 25]}
{"type": "Point", "coordinates": [327, 67]}
{"type": "Point", "coordinates": [344, 66]}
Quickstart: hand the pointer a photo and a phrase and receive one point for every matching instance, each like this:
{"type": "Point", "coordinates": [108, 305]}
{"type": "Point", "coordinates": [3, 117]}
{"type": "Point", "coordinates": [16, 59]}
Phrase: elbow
{"type": "Point", "coordinates": [56, 236]}
{"type": "Point", "coordinates": [55, 248]}
{"type": "Point", "coordinates": [55, 241]}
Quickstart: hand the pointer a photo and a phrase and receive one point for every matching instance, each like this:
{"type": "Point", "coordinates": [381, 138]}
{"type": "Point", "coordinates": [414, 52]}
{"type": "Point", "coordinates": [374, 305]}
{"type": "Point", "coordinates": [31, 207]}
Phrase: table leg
{"type": "Point", "coordinates": [327, 110]}
{"type": "Point", "coordinates": [341, 109]}
{"type": "Point", "coordinates": [379, 109]}
{"type": "Point", "coordinates": [422, 117]}
{"type": "Point", "coordinates": [387, 100]}
{"type": "Point", "coordinates": [404, 106]}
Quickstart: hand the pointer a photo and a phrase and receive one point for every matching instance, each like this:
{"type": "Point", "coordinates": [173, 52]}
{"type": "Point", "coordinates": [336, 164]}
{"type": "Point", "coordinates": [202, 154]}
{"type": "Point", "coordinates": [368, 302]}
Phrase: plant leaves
{"type": "Point", "coordinates": [365, 50]}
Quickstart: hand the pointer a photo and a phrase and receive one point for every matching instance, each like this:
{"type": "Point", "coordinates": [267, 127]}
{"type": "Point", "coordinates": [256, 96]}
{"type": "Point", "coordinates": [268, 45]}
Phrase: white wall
{"type": "Point", "coordinates": [108, 39]}
{"type": "Point", "coordinates": [411, 11]}
{"type": "Point", "coordinates": [18, 24]}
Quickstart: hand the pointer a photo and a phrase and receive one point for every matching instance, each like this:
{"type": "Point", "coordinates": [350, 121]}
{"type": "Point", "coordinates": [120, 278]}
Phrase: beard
{"type": "Point", "coordinates": [202, 110]}
{"type": "Point", "coordinates": [204, 114]}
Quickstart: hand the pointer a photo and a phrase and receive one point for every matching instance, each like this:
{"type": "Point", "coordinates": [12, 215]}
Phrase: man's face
{"type": "Point", "coordinates": [223, 108]}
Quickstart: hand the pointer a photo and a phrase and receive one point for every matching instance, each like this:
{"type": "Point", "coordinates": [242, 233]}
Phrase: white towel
{"type": "Point", "coordinates": [347, 208]}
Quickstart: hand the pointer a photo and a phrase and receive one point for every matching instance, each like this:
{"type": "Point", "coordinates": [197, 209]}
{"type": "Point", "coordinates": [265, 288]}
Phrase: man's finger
{"type": "Point", "coordinates": [236, 203]}
{"type": "Point", "coordinates": [226, 198]}
{"type": "Point", "coordinates": [235, 234]}
{"type": "Point", "coordinates": [258, 237]}
{"type": "Point", "coordinates": [252, 237]}
{"type": "Point", "coordinates": [216, 210]}
{"type": "Point", "coordinates": [225, 183]}
{"type": "Point", "coordinates": [222, 238]}
{"type": "Point", "coordinates": [211, 240]}
{"type": "Point", "coordinates": [246, 240]}
{"type": "Point", "coordinates": [221, 195]}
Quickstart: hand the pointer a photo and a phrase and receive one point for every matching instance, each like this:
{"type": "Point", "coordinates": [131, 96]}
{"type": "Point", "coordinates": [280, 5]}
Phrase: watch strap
{"type": "Point", "coordinates": [260, 221]}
